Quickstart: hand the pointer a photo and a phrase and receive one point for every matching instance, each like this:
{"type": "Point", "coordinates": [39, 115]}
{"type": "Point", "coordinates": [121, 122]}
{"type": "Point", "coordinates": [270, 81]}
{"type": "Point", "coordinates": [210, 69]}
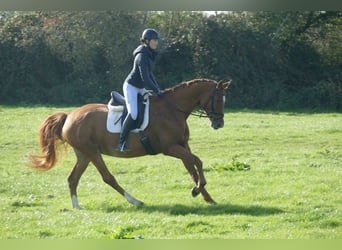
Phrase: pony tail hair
{"type": "Point", "coordinates": [50, 136]}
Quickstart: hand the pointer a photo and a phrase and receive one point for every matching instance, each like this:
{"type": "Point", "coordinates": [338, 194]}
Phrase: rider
{"type": "Point", "coordinates": [139, 78]}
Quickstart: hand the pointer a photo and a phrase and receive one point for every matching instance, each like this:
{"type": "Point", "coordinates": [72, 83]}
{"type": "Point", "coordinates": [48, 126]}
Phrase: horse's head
{"type": "Point", "coordinates": [214, 106]}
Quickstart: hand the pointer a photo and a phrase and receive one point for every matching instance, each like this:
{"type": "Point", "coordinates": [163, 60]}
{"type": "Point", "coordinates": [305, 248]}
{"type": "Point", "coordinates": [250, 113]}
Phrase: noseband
{"type": "Point", "coordinates": [212, 114]}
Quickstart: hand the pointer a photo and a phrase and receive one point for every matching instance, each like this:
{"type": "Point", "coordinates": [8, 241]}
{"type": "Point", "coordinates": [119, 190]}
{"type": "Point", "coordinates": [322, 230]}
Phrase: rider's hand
{"type": "Point", "coordinates": [160, 94]}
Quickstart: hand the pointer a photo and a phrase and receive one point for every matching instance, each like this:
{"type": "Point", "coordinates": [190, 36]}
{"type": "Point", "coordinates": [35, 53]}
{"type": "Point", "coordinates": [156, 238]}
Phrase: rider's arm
{"type": "Point", "coordinates": [143, 64]}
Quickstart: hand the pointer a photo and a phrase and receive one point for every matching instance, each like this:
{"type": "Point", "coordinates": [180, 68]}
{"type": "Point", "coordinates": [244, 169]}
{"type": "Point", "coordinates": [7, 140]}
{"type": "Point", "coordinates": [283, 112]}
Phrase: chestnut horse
{"type": "Point", "coordinates": [85, 130]}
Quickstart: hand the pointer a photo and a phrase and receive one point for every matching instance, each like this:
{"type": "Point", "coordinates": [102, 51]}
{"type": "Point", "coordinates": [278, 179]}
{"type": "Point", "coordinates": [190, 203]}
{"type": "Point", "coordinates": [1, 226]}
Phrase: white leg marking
{"type": "Point", "coordinates": [75, 202]}
{"type": "Point", "coordinates": [132, 200]}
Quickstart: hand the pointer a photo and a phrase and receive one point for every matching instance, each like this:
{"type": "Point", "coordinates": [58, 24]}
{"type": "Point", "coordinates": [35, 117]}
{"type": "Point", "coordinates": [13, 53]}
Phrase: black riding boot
{"type": "Point", "coordinates": [127, 126]}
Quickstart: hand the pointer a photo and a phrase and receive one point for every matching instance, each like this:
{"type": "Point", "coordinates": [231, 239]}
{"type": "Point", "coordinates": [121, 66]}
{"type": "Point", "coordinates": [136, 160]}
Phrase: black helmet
{"type": "Point", "coordinates": [149, 34]}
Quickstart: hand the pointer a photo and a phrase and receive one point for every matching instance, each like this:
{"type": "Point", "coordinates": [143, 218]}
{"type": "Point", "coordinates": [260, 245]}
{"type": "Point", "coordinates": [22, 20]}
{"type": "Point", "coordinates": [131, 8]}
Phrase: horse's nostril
{"type": "Point", "coordinates": [217, 125]}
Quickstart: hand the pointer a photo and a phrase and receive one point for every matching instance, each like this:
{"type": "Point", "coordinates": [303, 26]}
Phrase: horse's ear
{"type": "Point", "coordinates": [226, 84]}
{"type": "Point", "coordinates": [223, 85]}
{"type": "Point", "coordinates": [219, 84]}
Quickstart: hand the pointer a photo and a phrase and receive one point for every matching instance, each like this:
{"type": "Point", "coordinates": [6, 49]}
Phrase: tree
{"type": "Point", "coordinates": [277, 59]}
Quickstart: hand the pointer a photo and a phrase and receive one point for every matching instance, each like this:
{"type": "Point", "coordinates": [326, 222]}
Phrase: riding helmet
{"type": "Point", "coordinates": [149, 34]}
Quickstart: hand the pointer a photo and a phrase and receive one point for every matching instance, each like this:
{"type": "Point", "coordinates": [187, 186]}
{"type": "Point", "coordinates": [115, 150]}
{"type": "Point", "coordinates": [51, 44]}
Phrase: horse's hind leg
{"type": "Point", "coordinates": [75, 175]}
{"type": "Point", "coordinates": [110, 180]}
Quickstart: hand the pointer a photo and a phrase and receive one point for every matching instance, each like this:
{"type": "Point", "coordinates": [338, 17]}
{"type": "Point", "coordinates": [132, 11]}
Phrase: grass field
{"type": "Point", "coordinates": [273, 175]}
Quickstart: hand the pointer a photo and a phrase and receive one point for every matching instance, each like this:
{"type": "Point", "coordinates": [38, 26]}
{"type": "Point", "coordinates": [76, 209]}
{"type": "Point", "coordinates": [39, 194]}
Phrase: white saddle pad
{"type": "Point", "coordinates": [114, 118]}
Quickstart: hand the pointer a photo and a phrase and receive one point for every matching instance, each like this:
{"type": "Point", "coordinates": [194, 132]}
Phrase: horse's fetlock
{"type": "Point", "coordinates": [108, 179]}
{"type": "Point", "coordinates": [72, 181]}
{"type": "Point", "coordinates": [201, 185]}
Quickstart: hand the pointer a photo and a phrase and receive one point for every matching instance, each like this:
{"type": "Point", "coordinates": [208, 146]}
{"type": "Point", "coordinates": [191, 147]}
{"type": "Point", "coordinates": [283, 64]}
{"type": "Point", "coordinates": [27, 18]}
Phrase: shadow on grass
{"type": "Point", "coordinates": [219, 209]}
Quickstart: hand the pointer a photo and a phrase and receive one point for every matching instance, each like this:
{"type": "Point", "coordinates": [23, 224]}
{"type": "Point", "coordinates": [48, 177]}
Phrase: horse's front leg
{"type": "Point", "coordinates": [201, 182]}
{"type": "Point", "coordinates": [189, 161]}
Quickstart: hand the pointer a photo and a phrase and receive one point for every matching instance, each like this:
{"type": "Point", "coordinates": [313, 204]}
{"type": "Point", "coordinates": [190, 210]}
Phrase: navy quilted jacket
{"type": "Point", "coordinates": [141, 75]}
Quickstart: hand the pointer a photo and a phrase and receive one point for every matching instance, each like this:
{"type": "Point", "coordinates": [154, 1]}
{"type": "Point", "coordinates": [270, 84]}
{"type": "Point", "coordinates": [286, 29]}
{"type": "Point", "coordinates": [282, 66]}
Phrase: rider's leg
{"type": "Point", "coordinates": [127, 126]}
{"type": "Point", "coordinates": [131, 98]}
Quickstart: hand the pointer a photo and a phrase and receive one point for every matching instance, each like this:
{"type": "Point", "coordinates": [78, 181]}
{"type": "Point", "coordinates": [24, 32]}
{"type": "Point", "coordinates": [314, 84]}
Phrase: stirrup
{"type": "Point", "coordinates": [122, 148]}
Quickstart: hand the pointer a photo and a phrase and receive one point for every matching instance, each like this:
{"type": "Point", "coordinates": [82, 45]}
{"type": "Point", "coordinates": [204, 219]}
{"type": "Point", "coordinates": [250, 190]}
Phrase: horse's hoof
{"type": "Point", "coordinates": [133, 200]}
{"type": "Point", "coordinates": [194, 191]}
{"type": "Point", "coordinates": [211, 201]}
{"type": "Point", "coordinates": [139, 203]}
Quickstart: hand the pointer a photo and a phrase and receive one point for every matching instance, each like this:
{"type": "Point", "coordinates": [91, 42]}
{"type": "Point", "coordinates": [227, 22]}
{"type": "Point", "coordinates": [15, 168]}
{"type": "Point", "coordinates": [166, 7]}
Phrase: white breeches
{"type": "Point", "coordinates": [131, 98]}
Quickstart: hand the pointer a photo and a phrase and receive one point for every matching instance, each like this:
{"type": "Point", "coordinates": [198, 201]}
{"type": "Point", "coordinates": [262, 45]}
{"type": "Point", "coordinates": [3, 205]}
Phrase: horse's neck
{"type": "Point", "coordinates": [187, 98]}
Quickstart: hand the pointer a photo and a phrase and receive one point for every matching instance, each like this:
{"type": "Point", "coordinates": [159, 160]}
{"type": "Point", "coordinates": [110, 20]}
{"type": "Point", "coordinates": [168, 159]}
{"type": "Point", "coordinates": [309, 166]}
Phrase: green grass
{"type": "Point", "coordinates": [273, 175]}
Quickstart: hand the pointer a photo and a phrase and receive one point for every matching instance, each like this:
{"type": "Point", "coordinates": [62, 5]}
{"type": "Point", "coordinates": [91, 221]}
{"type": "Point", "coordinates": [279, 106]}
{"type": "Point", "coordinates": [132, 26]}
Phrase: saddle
{"type": "Point", "coordinates": [117, 112]}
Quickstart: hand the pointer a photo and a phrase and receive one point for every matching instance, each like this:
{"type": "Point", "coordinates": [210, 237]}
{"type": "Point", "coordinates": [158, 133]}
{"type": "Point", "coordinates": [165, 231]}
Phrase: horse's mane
{"type": "Point", "coordinates": [187, 84]}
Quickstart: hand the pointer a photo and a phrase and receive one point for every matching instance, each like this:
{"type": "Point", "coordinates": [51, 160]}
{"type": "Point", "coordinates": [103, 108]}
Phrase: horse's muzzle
{"type": "Point", "coordinates": [217, 125]}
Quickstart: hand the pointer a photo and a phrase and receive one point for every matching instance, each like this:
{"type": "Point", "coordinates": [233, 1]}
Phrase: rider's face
{"type": "Point", "coordinates": [153, 43]}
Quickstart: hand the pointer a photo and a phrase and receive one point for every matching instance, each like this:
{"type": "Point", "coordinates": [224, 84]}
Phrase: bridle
{"type": "Point", "coordinates": [212, 115]}
{"type": "Point", "coordinates": [202, 113]}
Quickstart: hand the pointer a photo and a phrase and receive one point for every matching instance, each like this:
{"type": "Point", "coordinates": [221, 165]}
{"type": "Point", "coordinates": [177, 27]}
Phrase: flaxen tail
{"type": "Point", "coordinates": [50, 134]}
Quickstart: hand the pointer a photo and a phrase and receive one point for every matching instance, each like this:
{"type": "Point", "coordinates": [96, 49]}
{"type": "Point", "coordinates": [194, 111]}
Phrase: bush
{"type": "Point", "coordinates": [276, 60]}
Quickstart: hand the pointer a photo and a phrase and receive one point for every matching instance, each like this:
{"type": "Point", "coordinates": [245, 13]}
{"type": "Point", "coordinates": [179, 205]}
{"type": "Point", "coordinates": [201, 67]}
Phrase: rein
{"type": "Point", "coordinates": [198, 113]}
{"type": "Point", "coordinates": [202, 113]}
